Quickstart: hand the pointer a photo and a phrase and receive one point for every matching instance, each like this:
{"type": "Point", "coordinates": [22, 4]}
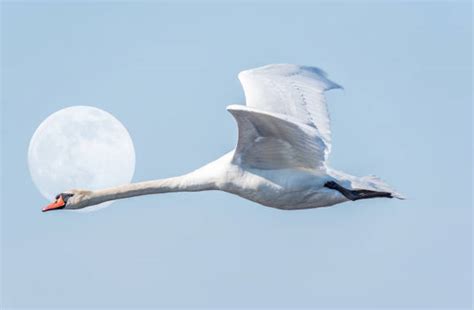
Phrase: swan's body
{"type": "Point", "coordinates": [280, 160]}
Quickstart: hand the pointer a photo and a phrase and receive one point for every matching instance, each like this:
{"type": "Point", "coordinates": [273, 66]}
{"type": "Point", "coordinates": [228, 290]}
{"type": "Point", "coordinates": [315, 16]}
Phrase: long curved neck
{"type": "Point", "coordinates": [191, 182]}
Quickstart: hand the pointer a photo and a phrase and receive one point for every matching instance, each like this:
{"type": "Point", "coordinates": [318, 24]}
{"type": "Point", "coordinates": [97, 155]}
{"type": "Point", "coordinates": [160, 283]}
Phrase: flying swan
{"type": "Point", "coordinates": [280, 160]}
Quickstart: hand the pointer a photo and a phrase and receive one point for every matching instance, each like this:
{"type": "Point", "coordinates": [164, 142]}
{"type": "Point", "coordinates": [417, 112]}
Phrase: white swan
{"type": "Point", "coordinates": [280, 160]}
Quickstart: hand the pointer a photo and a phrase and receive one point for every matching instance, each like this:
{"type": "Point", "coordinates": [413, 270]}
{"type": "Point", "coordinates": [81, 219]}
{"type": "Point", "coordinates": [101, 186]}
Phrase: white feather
{"type": "Point", "coordinates": [271, 141]}
{"type": "Point", "coordinates": [291, 90]}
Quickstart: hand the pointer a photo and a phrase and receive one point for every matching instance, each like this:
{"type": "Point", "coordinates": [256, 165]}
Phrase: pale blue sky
{"type": "Point", "coordinates": [167, 72]}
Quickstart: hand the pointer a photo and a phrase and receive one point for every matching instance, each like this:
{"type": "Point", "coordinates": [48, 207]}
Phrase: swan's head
{"type": "Point", "coordinates": [69, 200]}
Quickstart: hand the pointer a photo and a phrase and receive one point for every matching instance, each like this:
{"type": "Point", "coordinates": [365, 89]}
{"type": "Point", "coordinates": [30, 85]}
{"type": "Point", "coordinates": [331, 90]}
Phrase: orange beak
{"type": "Point", "coordinates": [57, 204]}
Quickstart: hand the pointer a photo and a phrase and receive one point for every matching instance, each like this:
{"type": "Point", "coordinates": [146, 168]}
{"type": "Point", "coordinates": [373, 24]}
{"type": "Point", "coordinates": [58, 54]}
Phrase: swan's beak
{"type": "Point", "coordinates": [57, 204]}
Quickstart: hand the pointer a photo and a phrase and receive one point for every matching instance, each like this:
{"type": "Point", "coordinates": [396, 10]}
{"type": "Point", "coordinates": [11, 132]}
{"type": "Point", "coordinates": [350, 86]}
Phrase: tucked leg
{"type": "Point", "coordinates": [356, 194]}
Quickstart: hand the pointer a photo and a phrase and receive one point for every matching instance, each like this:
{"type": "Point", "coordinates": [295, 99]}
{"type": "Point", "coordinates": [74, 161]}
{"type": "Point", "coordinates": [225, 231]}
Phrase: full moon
{"type": "Point", "coordinates": [80, 147]}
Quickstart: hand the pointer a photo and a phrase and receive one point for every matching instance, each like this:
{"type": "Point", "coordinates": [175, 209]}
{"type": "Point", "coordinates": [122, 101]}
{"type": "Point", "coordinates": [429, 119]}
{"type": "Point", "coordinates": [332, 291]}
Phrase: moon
{"type": "Point", "coordinates": [80, 147]}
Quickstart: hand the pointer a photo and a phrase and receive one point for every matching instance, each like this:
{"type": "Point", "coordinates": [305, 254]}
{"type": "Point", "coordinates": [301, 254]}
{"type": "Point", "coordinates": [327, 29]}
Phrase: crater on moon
{"type": "Point", "coordinates": [80, 147]}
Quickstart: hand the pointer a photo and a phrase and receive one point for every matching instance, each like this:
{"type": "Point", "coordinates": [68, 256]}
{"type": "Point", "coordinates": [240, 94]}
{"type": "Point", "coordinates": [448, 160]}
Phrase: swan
{"type": "Point", "coordinates": [280, 160]}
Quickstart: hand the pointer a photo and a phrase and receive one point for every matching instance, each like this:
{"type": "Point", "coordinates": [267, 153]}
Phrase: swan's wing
{"type": "Point", "coordinates": [292, 90]}
{"type": "Point", "coordinates": [272, 141]}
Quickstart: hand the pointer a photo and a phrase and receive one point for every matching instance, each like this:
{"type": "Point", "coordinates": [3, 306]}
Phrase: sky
{"type": "Point", "coordinates": [167, 71]}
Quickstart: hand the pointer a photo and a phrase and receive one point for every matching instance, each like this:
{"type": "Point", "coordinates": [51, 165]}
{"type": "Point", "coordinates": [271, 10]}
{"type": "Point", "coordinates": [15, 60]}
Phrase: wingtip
{"type": "Point", "coordinates": [335, 86]}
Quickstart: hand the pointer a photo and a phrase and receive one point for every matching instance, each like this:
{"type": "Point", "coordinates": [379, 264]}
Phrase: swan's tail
{"type": "Point", "coordinates": [370, 182]}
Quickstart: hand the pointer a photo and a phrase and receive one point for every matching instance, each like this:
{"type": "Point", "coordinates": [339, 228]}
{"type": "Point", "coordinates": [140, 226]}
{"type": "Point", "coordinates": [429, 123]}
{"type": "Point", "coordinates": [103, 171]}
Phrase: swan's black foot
{"type": "Point", "coordinates": [331, 185]}
{"type": "Point", "coordinates": [364, 194]}
{"type": "Point", "coordinates": [356, 194]}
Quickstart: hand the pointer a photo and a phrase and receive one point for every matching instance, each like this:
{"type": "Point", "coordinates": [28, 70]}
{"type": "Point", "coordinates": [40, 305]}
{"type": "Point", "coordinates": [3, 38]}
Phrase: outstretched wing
{"type": "Point", "coordinates": [292, 90]}
{"type": "Point", "coordinates": [273, 141]}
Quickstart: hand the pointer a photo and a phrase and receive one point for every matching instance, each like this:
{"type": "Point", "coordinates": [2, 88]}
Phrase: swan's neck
{"type": "Point", "coordinates": [191, 182]}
